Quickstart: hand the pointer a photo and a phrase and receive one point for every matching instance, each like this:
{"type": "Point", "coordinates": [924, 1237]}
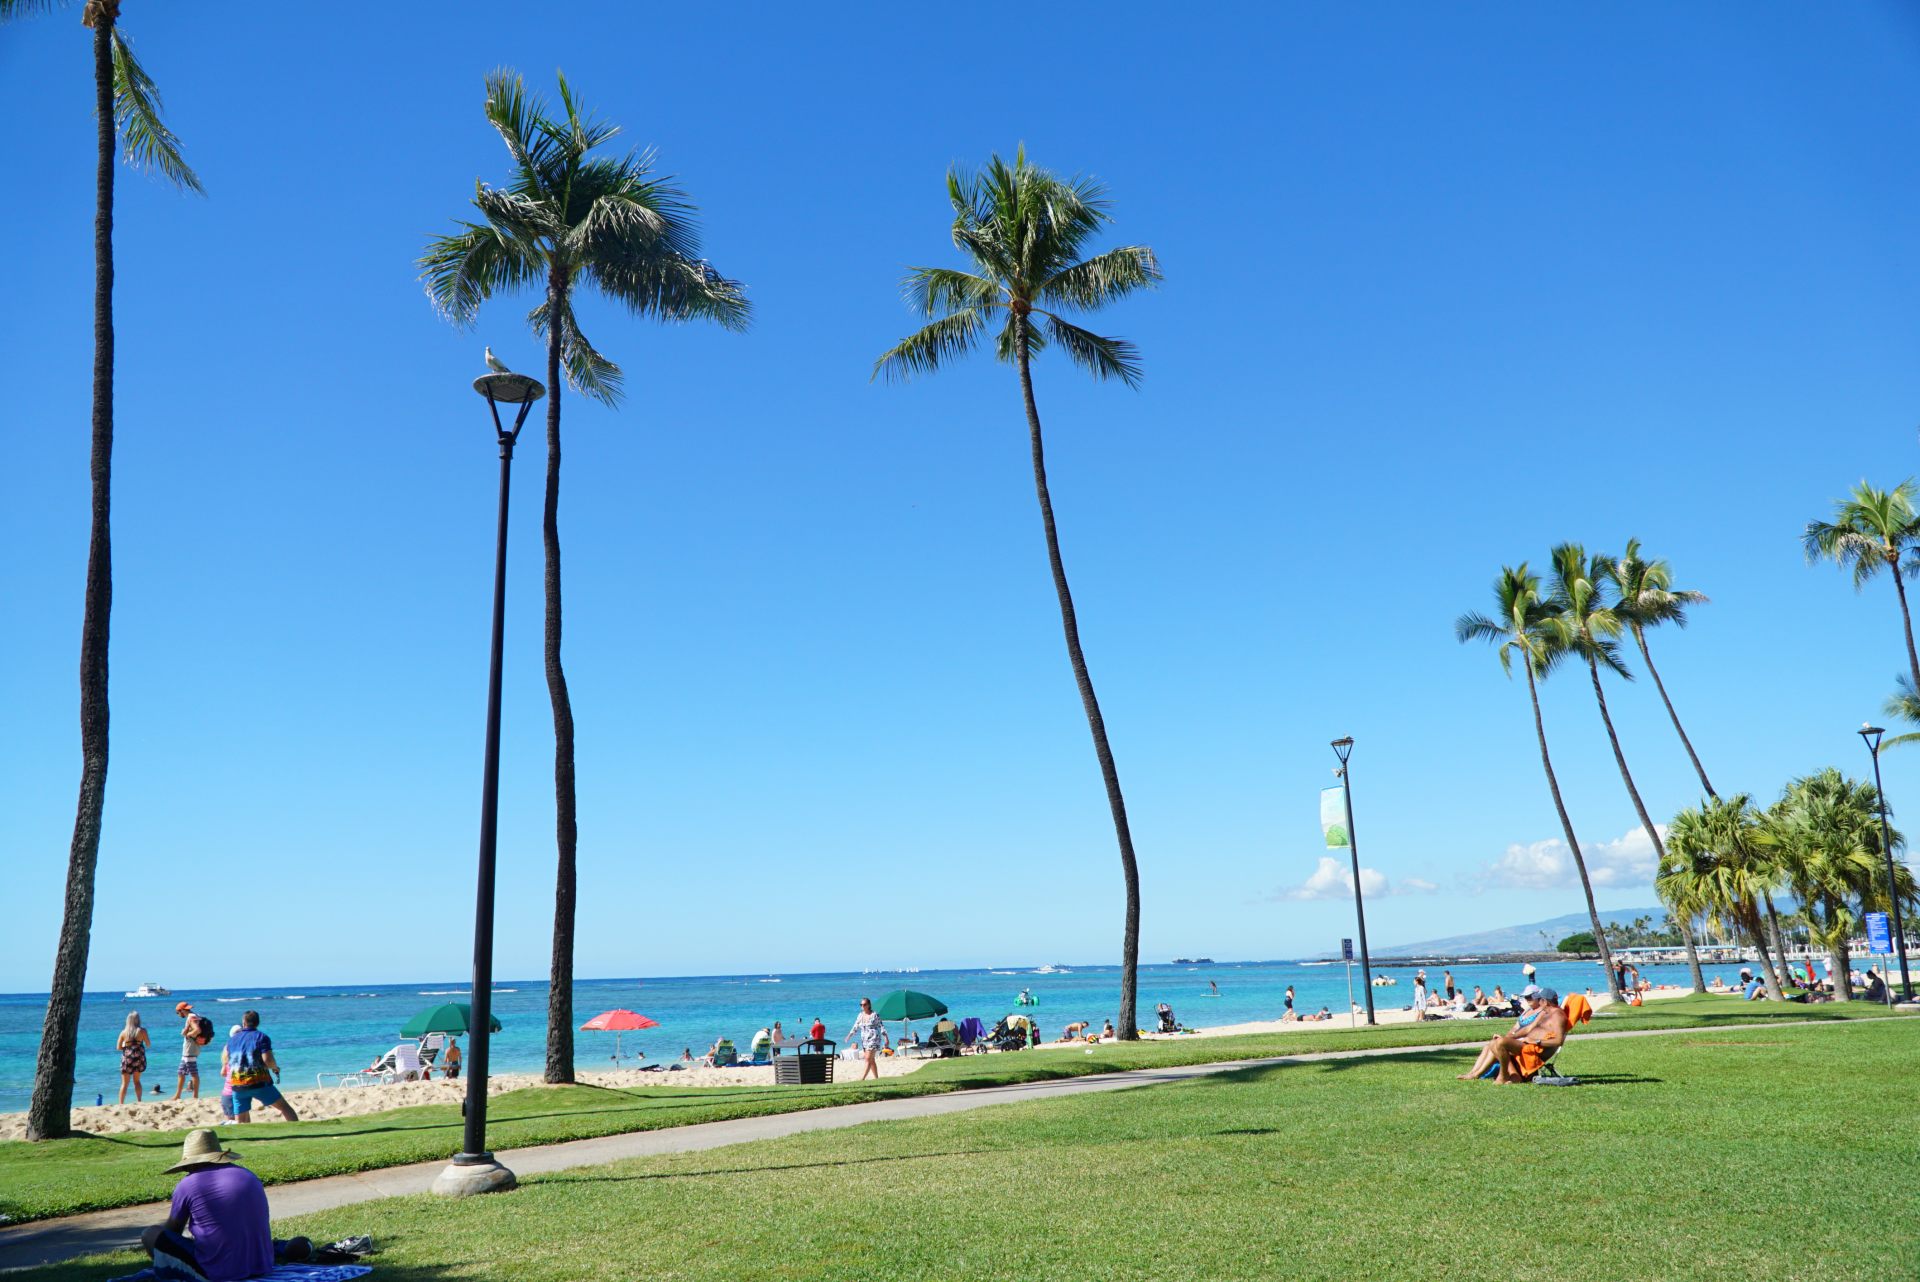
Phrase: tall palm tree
{"type": "Point", "coordinates": [1825, 832]}
{"type": "Point", "coordinates": [1588, 628]}
{"type": "Point", "coordinates": [1024, 230]}
{"type": "Point", "coordinates": [1644, 597]}
{"type": "Point", "coordinates": [1903, 705]}
{"type": "Point", "coordinates": [565, 218]}
{"type": "Point", "coordinates": [1715, 862]}
{"type": "Point", "coordinates": [1871, 531]}
{"type": "Point", "coordinates": [126, 113]}
{"type": "Point", "coordinates": [1526, 625]}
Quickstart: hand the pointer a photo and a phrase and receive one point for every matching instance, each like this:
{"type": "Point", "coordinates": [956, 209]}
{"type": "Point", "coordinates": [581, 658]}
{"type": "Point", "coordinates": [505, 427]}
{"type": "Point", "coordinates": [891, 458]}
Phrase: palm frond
{"type": "Point", "coordinates": [145, 140]}
{"type": "Point", "coordinates": [463, 269]}
{"type": "Point", "coordinates": [588, 372]}
{"type": "Point", "coordinates": [516, 115]}
{"type": "Point", "coordinates": [1098, 354]}
{"type": "Point", "coordinates": [653, 281]}
{"type": "Point", "coordinates": [14, 10]}
{"type": "Point", "coordinates": [1105, 278]}
{"type": "Point", "coordinates": [932, 290]}
{"type": "Point", "coordinates": [929, 347]}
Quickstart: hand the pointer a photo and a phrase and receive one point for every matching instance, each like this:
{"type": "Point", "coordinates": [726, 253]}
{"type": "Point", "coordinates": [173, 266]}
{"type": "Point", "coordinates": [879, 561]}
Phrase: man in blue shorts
{"type": "Point", "coordinates": [253, 1071]}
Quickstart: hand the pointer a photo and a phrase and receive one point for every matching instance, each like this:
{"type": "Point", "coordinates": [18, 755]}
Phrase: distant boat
{"type": "Point", "coordinates": [1193, 961]}
{"type": "Point", "coordinates": [151, 990]}
{"type": "Point", "coordinates": [770, 980]}
{"type": "Point", "coordinates": [1051, 969]}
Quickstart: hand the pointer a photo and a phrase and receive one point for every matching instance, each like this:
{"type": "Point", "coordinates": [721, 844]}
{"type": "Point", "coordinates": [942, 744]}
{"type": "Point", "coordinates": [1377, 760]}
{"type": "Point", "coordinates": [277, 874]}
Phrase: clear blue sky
{"type": "Point", "coordinates": [1442, 288]}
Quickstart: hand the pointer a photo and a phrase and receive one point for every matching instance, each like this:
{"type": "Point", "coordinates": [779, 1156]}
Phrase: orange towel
{"type": "Point", "coordinates": [1579, 1009]}
{"type": "Point", "coordinates": [1528, 1062]}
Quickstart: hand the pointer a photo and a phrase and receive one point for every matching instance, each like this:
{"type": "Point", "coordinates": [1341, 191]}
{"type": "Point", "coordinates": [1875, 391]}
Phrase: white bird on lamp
{"type": "Point", "coordinates": [495, 364]}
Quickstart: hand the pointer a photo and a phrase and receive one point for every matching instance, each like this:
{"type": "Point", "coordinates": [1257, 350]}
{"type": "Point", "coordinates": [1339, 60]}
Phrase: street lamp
{"type": "Point", "coordinates": [473, 1169]}
{"type": "Point", "coordinates": [1870, 735]}
{"type": "Point", "coordinates": [1343, 748]}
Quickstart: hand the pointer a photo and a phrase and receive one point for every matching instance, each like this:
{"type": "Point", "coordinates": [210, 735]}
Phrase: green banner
{"type": "Point", "coordinates": [1333, 817]}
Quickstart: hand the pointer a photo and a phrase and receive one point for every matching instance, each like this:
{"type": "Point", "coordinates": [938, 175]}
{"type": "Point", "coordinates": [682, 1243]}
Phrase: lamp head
{"type": "Point", "coordinates": [1343, 748]}
{"type": "Point", "coordinates": [1870, 734]}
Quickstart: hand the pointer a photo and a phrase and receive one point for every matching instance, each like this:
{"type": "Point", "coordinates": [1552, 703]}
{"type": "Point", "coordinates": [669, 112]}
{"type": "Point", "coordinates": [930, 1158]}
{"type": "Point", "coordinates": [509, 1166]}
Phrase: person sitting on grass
{"type": "Point", "coordinates": [224, 1209]}
{"type": "Point", "coordinates": [1522, 1029]}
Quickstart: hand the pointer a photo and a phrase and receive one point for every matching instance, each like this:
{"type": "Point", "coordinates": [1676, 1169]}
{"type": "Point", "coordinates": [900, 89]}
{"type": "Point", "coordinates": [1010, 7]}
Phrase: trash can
{"type": "Point", "coordinates": [812, 1066]}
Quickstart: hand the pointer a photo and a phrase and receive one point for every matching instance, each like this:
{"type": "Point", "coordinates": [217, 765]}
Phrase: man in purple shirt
{"type": "Point", "coordinates": [224, 1209]}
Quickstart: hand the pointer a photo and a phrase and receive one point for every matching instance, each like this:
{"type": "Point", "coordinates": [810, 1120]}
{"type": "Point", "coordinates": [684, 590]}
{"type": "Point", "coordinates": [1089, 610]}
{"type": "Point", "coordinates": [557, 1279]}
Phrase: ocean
{"type": "Point", "coordinates": [319, 1029]}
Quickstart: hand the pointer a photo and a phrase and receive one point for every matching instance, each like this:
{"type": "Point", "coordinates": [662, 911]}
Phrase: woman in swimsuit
{"type": "Point", "coordinates": [132, 1044]}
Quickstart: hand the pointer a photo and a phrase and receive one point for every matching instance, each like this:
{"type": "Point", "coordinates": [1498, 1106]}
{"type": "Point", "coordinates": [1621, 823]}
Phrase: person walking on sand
{"type": "Point", "coordinates": [191, 1041]}
{"type": "Point", "coordinates": [868, 1033]}
{"type": "Point", "coordinates": [1290, 1014]}
{"type": "Point", "coordinates": [132, 1045]}
{"type": "Point", "coordinates": [253, 1071]}
{"type": "Point", "coordinates": [1420, 995]}
{"type": "Point", "coordinates": [450, 1062]}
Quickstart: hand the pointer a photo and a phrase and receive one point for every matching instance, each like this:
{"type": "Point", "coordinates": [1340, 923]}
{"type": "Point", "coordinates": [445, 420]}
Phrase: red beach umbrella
{"type": "Point", "coordinates": [617, 1022]}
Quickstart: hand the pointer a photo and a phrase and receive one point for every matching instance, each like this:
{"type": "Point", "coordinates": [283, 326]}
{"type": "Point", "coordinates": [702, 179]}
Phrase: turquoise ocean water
{"type": "Point", "coordinates": [335, 1030]}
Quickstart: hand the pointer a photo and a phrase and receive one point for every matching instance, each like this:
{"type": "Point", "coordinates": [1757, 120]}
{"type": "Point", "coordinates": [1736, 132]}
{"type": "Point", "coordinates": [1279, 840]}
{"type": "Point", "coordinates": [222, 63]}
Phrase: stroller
{"type": "Point", "coordinates": [1010, 1034]}
{"type": "Point", "coordinates": [1168, 1024]}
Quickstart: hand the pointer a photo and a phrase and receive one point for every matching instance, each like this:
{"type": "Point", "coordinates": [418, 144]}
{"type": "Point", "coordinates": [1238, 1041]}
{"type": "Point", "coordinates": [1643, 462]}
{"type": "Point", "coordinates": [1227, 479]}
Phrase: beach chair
{"type": "Point", "coordinates": [945, 1039]}
{"type": "Point", "coordinates": [430, 1047]}
{"type": "Point", "coordinates": [723, 1055]}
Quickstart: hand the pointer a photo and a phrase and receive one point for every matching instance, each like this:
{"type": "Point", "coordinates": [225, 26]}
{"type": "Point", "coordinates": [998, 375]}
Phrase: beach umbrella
{"type": "Point", "coordinates": [447, 1017]}
{"type": "Point", "coordinates": [904, 1003]}
{"type": "Point", "coordinates": [617, 1022]}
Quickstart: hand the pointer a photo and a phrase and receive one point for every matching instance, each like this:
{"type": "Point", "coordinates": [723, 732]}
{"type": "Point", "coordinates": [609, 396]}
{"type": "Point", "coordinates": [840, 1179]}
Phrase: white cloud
{"type": "Point", "coordinates": [1548, 865]}
{"type": "Point", "coordinates": [1333, 879]}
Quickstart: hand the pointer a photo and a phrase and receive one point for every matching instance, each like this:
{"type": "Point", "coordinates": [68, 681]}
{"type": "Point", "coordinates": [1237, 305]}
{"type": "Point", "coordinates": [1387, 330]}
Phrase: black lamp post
{"type": "Point", "coordinates": [1343, 748]}
{"type": "Point", "coordinates": [473, 1169]}
{"type": "Point", "coordinates": [1870, 735]}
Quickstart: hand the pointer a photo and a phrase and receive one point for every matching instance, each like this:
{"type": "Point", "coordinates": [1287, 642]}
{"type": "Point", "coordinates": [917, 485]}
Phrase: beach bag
{"type": "Point", "coordinates": [202, 1029]}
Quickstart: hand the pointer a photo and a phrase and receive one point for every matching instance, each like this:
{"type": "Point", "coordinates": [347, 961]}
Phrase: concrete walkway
{"type": "Point", "coordinates": [52, 1241]}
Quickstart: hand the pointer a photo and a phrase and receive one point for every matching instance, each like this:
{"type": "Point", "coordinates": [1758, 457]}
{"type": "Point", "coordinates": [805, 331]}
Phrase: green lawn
{"type": "Point", "coordinates": [66, 1176]}
{"type": "Point", "coordinates": [1783, 1153]}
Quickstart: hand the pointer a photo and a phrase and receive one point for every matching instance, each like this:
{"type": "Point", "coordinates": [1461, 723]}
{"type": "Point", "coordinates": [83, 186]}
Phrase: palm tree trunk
{"type": "Point", "coordinates": [566, 826]}
{"type": "Point", "coordinates": [1678, 729]}
{"type": "Point", "coordinates": [1779, 938]}
{"type": "Point", "coordinates": [1906, 620]}
{"type": "Point", "coordinates": [1840, 962]}
{"type": "Point", "coordinates": [1573, 842]}
{"type": "Point", "coordinates": [1757, 929]}
{"type": "Point", "coordinates": [49, 1111]}
{"type": "Point", "coordinates": [1639, 808]}
{"type": "Point", "coordinates": [1127, 1023]}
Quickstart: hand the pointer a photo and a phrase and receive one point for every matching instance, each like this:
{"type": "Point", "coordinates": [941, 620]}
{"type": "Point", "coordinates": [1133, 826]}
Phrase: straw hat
{"type": "Point", "coordinates": [202, 1148]}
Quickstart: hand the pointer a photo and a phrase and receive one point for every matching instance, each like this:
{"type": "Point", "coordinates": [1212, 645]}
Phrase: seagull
{"type": "Point", "coordinates": [494, 363]}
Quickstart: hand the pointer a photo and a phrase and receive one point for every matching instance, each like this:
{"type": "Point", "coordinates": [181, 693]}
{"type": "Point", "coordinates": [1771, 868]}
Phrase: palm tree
{"type": "Point", "coordinates": [1903, 705]}
{"type": "Point", "coordinates": [565, 218]}
{"type": "Point", "coordinates": [1588, 627]}
{"type": "Point", "coordinates": [1825, 832]}
{"type": "Point", "coordinates": [1526, 625]}
{"type": "Point", "coordinates": [1715, 862]}
{"type": "Point", "coordinates": [1644, 597]}
{"type": "Point", "coordinates": [127, 119]}
{"type": "Point", "coordinates": [1023, 230]}
{"type": "Point", "coordinates": [1870, 531]}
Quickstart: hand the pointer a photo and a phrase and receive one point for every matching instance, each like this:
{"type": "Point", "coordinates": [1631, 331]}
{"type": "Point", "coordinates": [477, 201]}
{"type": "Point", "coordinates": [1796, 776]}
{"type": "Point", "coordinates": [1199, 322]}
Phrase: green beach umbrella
{"type": "Point", "coordinates": [447, 1017]}
{"type": "Point", "coordinates": [904, 1003]}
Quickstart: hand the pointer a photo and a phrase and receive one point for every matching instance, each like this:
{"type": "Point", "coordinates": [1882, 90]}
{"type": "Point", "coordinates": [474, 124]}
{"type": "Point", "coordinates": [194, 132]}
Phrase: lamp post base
{"type": "Point", "coordinates": [473, 1173]}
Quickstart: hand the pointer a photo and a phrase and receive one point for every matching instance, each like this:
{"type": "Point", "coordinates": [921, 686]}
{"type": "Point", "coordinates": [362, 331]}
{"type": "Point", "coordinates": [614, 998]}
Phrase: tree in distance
{"type": "Point", "coordinates": [1528, 626]}
{"type": "Point", "coordinates": [1024, 231]}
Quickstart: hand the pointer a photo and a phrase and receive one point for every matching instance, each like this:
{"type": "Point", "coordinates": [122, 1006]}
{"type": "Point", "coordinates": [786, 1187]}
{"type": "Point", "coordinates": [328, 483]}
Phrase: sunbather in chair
{"type": "Point", "coordinates": [1519, 1054]}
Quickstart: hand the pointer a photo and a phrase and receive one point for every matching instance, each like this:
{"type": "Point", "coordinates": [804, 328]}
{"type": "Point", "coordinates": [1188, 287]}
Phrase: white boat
{"type": "Point", "coordinates": [151, 990]}
{"type": "Point", "coordinates": [1050, 969]}
{"type": "Point", "coordinates": [769, 980]}
{"type": "Point", "coordinates": [1384, 981]}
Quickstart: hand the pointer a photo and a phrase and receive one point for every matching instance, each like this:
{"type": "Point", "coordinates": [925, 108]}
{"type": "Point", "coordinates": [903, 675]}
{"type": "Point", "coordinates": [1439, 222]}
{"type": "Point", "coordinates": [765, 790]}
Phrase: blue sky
{"type": "Point", "coordinates": [1442, 289]}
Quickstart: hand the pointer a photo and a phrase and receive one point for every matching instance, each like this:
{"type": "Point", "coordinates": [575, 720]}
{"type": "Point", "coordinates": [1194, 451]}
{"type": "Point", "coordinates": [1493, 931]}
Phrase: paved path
{"type": "Point", "coordinates": [51, 1241]}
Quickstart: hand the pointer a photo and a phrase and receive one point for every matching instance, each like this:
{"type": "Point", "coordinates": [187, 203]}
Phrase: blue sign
{"type": "Point", "coordinates": [1878, 940]}
{"type": "Point", "coordinates": [1346, 950]}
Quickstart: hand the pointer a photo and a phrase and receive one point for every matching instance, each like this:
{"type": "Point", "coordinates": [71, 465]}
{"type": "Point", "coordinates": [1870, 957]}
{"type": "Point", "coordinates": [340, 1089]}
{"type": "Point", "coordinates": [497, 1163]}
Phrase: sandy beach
{"type": "Point", "coordinates": [334, 1102]}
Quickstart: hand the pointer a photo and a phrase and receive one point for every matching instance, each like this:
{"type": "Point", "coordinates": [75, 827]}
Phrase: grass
{"type": "Point", "coordinates": [1744, 1154]}
{"type": "Point", "coordinates": [63, 1177]}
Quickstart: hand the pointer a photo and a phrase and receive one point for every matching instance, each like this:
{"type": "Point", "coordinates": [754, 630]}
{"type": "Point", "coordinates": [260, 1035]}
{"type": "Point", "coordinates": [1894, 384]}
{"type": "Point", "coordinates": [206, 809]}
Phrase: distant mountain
{"type": "Point", "coordinates": [1516, 939]}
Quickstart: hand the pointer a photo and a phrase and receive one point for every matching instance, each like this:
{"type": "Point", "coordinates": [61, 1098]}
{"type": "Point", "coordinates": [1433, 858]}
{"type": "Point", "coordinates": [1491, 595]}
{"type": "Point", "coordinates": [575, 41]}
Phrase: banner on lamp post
{"type": "Point", "coordinates": [1333, 818]}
